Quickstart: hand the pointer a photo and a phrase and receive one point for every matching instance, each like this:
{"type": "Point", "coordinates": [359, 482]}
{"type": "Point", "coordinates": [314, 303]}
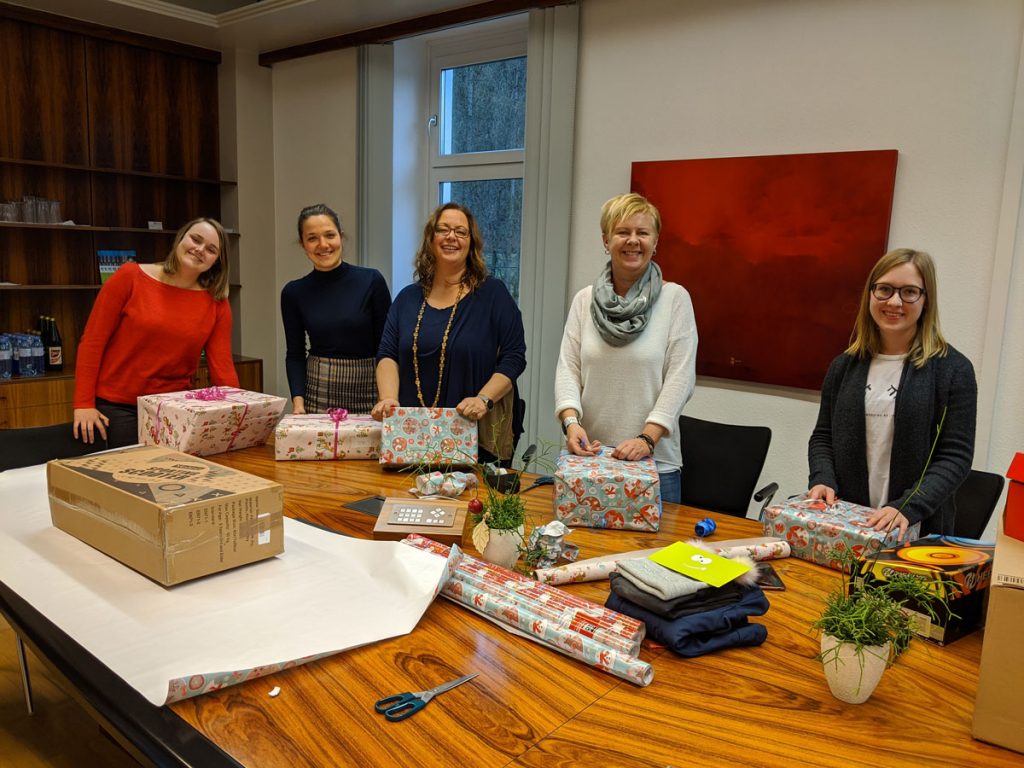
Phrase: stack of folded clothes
{"type": "Point", "coordinates": [689, 617]}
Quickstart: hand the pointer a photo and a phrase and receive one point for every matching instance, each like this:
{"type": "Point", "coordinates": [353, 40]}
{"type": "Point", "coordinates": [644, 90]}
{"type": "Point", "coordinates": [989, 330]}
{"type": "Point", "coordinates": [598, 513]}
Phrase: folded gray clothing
{"type": "Point", "coordinates": [662, 582]}
{"type": "Point", "coordinates": [702, 600]}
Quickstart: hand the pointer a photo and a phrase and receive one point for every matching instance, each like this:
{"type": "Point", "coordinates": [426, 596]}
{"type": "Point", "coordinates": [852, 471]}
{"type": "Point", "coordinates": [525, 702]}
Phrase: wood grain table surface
{"type": "Point", "coordinates": [531, 706]}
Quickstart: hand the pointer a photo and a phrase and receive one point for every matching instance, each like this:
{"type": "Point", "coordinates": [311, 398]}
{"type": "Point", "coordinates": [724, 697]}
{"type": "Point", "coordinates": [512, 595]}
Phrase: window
{"type": "Point", "coordinates": [477, 141]}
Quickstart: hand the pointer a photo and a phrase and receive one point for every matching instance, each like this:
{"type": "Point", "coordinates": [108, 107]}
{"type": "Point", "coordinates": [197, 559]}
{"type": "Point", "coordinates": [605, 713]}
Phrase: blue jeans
{"type": "Point", "coordinates": [671, 485]}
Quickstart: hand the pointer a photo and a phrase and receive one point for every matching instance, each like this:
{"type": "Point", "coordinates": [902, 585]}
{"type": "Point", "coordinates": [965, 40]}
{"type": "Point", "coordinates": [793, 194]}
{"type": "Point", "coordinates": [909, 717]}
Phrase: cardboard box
{"type": "Point", "coordinates": [814, 528]}
{"type": "Point", "coordinates": [998, 716]}
{"type": "Point", "coordinates": [321, 437]}
{"type": "Point", "coordinates": [602, 492]}
{"type": "Point", "coordinates": [208, 421]}
{"type": "Point", "coordinates": [168, 515]}
{"type": "Point", "coordinates": [1013, 516]}
{"type": "Point", "coordinates": [960, 571]}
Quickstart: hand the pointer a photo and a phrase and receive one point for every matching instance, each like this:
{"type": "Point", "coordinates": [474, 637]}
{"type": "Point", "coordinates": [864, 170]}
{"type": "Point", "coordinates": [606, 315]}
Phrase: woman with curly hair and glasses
{"type": "Point", "coordinates": [454, 338]}
{"type": "Point", "coordinates": [896, 425]}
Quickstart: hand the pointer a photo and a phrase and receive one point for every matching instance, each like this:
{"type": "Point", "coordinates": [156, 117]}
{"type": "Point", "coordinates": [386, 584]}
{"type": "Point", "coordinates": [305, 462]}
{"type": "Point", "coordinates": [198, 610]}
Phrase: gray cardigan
{"type": "Point", "coordinates": [837, 452]}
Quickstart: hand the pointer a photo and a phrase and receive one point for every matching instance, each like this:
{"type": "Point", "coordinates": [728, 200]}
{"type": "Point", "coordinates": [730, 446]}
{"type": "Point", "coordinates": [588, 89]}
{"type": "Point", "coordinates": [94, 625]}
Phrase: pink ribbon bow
{"type": "Point", "coordinates": [209, 393]}
{"type": "Point", "coordinates": [337, 415]}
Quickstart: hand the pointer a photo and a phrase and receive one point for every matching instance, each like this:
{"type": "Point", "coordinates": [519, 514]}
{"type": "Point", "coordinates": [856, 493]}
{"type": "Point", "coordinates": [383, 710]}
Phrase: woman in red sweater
{"type": "Point", "coordinates": [147, 329]}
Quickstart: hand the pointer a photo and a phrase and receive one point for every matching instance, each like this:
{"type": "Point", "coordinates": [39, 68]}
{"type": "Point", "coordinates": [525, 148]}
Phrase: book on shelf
{"type": "Point", "coordinates": [111, 260]}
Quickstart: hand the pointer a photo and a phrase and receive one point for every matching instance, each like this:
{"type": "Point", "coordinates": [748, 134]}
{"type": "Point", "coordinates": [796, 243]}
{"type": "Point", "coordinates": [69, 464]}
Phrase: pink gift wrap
{"type": "Point", "coordinates": [322, 437]}
{"type": "Point", "coordinates": [812, 528]}
{"type": "Point", "coordinates": [434, 436]}
{"type": "Point", "coordinates": [591, 633]}
{"type": "Point", "coordinates": [602, 492]}
{"type": "Point", "coordinates": [208, 421]}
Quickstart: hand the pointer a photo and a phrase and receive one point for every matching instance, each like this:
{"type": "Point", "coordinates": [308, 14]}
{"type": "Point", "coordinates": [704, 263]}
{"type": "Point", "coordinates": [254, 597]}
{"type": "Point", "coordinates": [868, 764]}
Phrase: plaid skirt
{"type": "Point", "coordinates": [333, 383]}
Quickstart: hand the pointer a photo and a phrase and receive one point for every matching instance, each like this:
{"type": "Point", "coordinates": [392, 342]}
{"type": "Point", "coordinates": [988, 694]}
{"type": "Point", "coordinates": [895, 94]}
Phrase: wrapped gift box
{"type": "Point", "coordinates": [326, 436]}
{"type": "Point", "coordinates": [208, 421]}
{"type": "Point", "coordinates": [427, 436]}
{"type": "Point", "coordinates": [602, 492]}
{"type": "Point", "coordinates": [958, 569]}
{"type": "Point", "coordinates": [813, 528]}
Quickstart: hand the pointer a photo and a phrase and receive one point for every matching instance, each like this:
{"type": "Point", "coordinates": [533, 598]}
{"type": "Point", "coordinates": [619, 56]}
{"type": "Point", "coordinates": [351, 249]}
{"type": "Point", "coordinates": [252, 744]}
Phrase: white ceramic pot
{"type": "Point", "coordinates": [852, 675]}
{"type": "Point", "coordinates": [503, 546]}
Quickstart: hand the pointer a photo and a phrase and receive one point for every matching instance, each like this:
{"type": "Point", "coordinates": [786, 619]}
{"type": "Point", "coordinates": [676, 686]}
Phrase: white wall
{"type": "Point", "coordinates": [314, 161]}
{"type": "Point", "coordinates": [935, 79]}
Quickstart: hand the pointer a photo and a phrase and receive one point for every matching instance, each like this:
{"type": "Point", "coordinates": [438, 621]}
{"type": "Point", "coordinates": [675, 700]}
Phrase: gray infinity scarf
{"type": "Point", "coordinates": [620, 319]}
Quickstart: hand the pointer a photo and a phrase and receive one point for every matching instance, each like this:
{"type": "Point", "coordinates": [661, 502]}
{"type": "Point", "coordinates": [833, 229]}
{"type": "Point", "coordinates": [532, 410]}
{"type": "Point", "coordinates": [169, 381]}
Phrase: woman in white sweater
{"type": "Point", "coordinates": [627, 363]}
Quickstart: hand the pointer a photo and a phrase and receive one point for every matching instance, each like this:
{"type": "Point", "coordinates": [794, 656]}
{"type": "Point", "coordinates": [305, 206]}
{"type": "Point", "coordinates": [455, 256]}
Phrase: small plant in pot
{"type": "Point", "coordinates": [500, 526]}
{"type": "Point", "coordinates": [865, 629]}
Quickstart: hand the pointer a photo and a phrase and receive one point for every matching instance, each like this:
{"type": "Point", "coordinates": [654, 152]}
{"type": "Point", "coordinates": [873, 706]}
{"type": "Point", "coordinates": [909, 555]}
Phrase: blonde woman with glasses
{"type": "Point", "coordinates": [896, 426]}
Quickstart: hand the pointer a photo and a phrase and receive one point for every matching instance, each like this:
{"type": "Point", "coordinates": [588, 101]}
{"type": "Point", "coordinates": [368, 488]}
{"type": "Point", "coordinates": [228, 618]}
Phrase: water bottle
{"type": "Point", "coordinates": [23, 355]}
{"type": "Point", "coordinates": [38, 355]}
{"type": "Point", "coordinates": [6, 357]}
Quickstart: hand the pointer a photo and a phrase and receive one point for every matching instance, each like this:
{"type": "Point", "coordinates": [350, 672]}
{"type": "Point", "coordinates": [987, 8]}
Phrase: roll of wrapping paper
{"type": "Point", "coordinates": [577, 621]}
{"type": "Point", "coordinates": [624, 632]}
{"type": "Point", "coordinates": [598, 568]}
{"type": "Point", "coordinates": [516, 612]}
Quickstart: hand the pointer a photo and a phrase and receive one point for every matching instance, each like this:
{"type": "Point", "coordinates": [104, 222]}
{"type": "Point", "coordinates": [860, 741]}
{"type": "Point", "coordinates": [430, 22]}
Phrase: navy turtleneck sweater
{"type": "Point", "coordinates": [341, 311]}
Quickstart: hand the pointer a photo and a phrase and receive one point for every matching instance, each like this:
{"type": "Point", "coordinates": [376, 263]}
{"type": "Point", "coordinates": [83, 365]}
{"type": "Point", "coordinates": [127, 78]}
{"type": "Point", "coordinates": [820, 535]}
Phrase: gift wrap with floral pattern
{"type": "Point", "coordinates": [326, 436]}
{"type": "Point", "coordinates": [602, 492]}
{"type": "Point", "coordinates": [598, 636]}
{"type": "Point", "coordinates": [208, 421]}
{"type": "Point", "coordinates": [813, 528]}
{"type": "Point", "coordinates": [434, 436]}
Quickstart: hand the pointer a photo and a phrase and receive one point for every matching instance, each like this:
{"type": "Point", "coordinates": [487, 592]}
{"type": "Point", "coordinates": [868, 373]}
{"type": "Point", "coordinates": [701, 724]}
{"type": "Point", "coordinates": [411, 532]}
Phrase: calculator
{"type": "Point", "coordinates": [414, 512]}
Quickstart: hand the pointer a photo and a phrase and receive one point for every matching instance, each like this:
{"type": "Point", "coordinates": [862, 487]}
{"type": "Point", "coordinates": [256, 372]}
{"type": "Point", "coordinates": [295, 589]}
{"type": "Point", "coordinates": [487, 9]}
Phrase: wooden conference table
{"type": "Point", "coordinates": [531, 706]}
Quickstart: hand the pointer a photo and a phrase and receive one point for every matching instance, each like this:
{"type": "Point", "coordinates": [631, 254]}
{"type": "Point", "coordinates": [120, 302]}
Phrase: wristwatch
{"type": "Point", "coordinates": [567, 422]}
{"type": "Point", "coordinates": [487, 401]}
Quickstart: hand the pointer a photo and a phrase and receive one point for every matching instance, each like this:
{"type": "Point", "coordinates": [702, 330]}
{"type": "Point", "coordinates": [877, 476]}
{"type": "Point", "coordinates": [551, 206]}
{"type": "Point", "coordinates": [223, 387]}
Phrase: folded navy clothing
{"type": "Point", "coordinates": [697, 602]}
{"type": "Point", "coordinates": [701, 633]}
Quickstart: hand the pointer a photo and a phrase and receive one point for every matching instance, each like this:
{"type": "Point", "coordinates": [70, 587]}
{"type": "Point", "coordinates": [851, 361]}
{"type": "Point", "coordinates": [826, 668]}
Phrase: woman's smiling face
{"type": "Point", "coordinates": [321, 241]}
{"type": "Point", "coordinates": [631, 245]}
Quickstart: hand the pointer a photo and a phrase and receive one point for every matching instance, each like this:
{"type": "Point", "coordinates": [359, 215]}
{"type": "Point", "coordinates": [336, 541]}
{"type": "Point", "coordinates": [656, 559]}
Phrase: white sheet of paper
{"type": "Point", "coordinates": [326, 593]}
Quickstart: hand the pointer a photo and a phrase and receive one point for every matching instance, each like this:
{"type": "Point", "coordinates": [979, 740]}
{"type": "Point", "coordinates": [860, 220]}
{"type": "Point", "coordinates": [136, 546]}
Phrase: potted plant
{"type": "Point", "coordinates": [864, 629]}
{"type": "Point", "coordinates": [500, 526]}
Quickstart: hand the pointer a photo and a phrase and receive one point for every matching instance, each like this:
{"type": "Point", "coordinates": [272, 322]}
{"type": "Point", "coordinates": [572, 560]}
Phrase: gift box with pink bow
{"type": "Point", "coordinates": [208, 421]}
{"type": "Point", "coordinates": [602, 492]}
{"type": "Point", "coordinates": [336, 434]}
{"type": "Point", "coordinates": [813, 528]}
{"type": "Point", "coordinates": [431, 436]}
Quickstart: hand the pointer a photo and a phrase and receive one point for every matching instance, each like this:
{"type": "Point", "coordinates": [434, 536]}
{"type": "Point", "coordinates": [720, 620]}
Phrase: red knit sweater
{"type": "Point", "coordinates": [145, 337]}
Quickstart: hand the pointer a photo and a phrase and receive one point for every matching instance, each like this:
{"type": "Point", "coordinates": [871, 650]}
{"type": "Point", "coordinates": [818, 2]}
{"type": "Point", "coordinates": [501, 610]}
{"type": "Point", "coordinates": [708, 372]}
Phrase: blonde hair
{"type": "Point", "coordinates": [621, 207]}
{"type": "Point", "coordinates": [214, 280]}
{"type": "Point", "coordinates": [476, 269]}
{"type": "Point", "coordinates": [866, 341]}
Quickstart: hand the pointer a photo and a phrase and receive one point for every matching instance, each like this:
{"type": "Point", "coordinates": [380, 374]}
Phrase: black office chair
{"type": "Point", "coordinates": [721, 465]}
{"type": "Point", "coordinates": [976, 500]}
{"type": "Point", "coordinates": [36, 445]}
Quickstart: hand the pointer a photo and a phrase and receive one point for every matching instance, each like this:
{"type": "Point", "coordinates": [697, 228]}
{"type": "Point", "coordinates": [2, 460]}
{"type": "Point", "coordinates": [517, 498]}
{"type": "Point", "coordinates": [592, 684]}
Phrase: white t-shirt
{"type": "Point", "coordinates": [879, 421]}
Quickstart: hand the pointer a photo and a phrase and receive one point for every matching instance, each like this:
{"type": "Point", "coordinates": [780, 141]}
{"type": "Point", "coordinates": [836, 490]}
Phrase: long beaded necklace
{"type": "Point", "coordinates": [444, 347]}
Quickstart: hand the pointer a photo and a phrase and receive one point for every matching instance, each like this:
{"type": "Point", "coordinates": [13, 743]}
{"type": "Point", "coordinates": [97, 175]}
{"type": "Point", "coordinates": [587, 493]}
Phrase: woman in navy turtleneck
{"type": "Point", "coordinates": [341, 308]}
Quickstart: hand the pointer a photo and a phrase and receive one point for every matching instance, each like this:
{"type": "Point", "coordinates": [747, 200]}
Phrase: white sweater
{"type": "Point", "coordinates": [617, 390]}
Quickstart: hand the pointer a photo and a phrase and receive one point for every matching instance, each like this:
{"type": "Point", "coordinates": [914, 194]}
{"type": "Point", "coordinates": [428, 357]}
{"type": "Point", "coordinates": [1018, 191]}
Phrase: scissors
{"type": "Point", "coordinates": [403, 705]}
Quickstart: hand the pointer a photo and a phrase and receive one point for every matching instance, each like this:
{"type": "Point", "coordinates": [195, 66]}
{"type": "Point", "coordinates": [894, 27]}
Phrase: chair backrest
{"type": "Point", "coordinates": [976, 500]}
{"type": "Point", "coordinates": [721, 464]}
{"type": "Point", "coordinates": [36, 445]}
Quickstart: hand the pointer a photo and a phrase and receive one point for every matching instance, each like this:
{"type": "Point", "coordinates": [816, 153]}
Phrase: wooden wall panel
{"type": "Point", "coordinates": [151, 111]}
{"type": "Point", "coordinates": [131, 201]}
{"type": "Point", "coordinates": [71, 188]}
{"type": "Point", "coordinates": [43, 107]}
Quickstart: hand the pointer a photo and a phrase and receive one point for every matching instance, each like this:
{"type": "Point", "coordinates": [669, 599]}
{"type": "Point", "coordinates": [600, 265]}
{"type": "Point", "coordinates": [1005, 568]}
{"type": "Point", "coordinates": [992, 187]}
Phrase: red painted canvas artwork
{"type": "Point", "coordinates": [774, 251]}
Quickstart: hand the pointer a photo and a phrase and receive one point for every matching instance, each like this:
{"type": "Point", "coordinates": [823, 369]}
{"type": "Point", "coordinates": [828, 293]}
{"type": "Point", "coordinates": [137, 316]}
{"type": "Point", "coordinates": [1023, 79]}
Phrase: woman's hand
{"type": "Point", "coordinates": [89, 421]}
{"type": "Point", "coordinates": [632, 450]}
{"type": "Point", "coordinates": [472, 408]}
{"type": "Point", "coordinates": [887, 518]}
{"type": "Point", "coordinates": [822, 492]}
{"type": "Point", "coordinates": [298, 405]}
{"type": "Point", "coordinates": [384, 407]}
{"type": "Point", "coordinates": [576, 441]}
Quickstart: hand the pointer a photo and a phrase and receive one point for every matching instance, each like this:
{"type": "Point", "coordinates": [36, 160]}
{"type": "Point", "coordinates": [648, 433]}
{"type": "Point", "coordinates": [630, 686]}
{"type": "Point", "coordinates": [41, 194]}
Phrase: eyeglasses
{"type": "Point", "coordinates": [443, 231]}
{"type": "Point", "coordinates": [908, 293]}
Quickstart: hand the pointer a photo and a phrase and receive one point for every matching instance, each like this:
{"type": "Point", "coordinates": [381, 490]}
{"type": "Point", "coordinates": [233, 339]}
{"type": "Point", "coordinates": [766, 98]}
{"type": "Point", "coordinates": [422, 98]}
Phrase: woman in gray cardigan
{"type": "Point", "coordinates": [896, 426]}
